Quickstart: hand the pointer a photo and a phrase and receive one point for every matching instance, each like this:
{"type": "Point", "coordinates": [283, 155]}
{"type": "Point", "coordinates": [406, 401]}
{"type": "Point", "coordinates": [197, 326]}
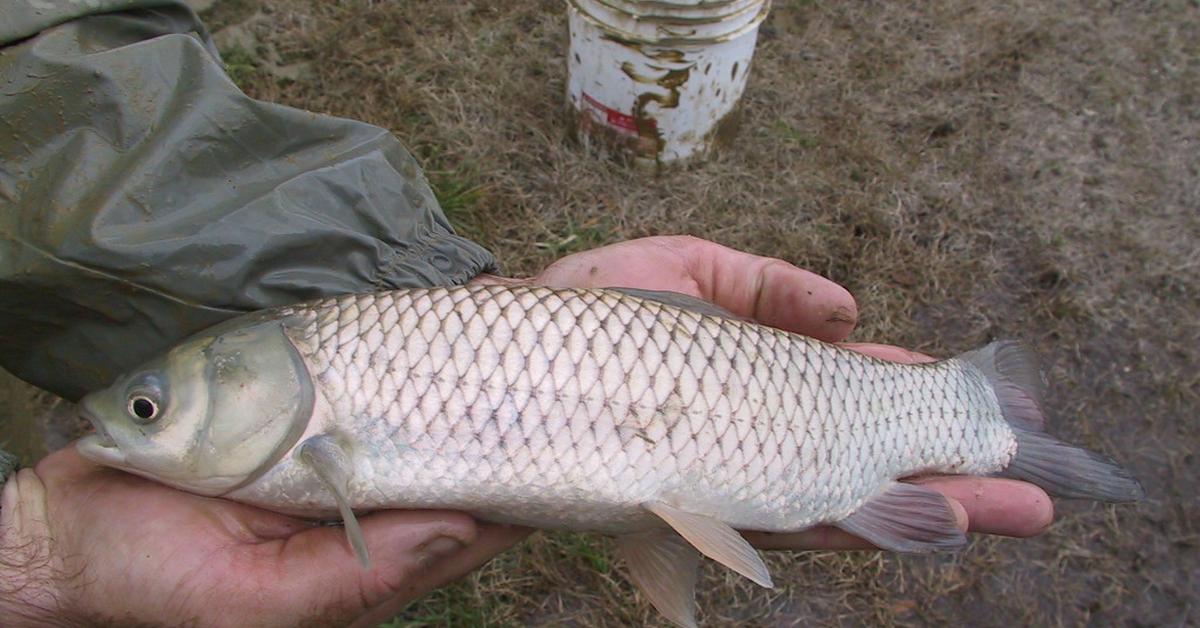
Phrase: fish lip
{"type": "Point", "coordinates": [100, 446]}
{"type": "Point", "coordinates": [95, 449]}
{"type": "Point", "coordinates": [104, 438]}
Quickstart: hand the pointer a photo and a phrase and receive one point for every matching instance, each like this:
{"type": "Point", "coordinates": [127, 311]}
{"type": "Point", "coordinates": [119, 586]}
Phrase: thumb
{"type": "Point", "coordinates": [492, 539]}
{"type": "Point", "coordinates": [317, 572]}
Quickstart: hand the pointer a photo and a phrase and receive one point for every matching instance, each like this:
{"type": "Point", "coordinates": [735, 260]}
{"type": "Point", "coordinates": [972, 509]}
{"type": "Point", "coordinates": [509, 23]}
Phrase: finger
{"type": "Point", "coordinates": [254, 525]}
{"type": "Point", "coordinates": [771, 291]}
{"type": "Point", "coordinates": [69, 464]}
{"type": "Point", "coordinates": [818, 538]}
{"type": "Point", "coordinates": [318, 565]}
{"type": "Point", "coordinates": [630, 264]}
{"type": "Point", "coordinates": [492, 539]}
{"type": "Point", "coordinates": [888, 352]}
{"type": "Point", "coordinates": [768, 290]}
{"type": "Point", "coordinates": [829, 537]}
{"type": "Point", "coordinates": [23, 516]}
{"type": "Point", "coordinates": [997, 505]}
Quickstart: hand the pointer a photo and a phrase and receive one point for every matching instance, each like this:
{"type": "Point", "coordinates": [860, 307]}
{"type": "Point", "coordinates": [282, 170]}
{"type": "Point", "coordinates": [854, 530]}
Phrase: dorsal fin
{"type": "Point", "coordinates": [681, 301]}
{"type": "Point", "coordinates": [1013, 372]}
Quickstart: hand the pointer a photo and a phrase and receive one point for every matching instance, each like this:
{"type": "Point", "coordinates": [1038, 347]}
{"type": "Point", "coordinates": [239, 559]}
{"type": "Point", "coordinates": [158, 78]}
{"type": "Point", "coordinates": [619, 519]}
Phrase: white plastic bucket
{"type": "Point", "coordinates": [655, 81]}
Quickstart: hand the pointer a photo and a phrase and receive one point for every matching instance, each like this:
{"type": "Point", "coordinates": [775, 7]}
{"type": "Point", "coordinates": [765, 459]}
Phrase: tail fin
{"type": "Point", "coordinates": [1062, 470]}
{"type": "Point", "coordinates": [1067, 471]}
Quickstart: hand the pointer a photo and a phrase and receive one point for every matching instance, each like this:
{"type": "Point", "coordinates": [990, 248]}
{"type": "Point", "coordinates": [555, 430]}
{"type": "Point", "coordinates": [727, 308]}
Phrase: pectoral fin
{"type": "Point", "coordinates": [716, 540]}
{"type": "Point", "coordinates": [907, 518]}
{"type": "Point", "coordinates": [326, 457]}
{"type": "Point", "coordinates": [664, 567]}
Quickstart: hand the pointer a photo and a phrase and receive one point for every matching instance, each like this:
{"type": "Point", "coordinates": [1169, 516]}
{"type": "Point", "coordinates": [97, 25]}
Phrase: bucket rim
{"type": "Point", "coordinates": [622, 35]}
{"type": "Point", "coordinates": [660, 10]}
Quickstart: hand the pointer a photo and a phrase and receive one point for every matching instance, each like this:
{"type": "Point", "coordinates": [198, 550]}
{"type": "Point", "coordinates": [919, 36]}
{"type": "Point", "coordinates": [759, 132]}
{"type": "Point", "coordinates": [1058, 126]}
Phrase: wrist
{"type": "Point", "coordinates": [30, 575]}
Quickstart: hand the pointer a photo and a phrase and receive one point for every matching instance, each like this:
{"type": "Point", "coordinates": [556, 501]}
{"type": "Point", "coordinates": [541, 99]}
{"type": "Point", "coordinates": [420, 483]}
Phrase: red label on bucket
{"type": "Point", "coordinates": [613, 118]}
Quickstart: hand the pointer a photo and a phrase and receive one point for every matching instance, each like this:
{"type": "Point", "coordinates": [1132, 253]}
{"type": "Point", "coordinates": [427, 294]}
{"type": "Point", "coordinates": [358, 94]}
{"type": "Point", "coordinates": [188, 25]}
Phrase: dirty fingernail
{"type": "Point", "coordinates": [438, 549]}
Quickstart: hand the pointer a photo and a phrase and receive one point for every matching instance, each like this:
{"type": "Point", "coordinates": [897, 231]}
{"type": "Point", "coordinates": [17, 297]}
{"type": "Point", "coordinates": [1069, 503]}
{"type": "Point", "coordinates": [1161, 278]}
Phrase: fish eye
{"type": "Point", "coordinates": [146, 398]}
{"type": "Point", "coordinates": [143, 408]}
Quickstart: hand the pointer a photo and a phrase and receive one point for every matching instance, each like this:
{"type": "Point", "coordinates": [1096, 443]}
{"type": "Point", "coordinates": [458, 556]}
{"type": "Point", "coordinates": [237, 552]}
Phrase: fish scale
{"type": "Point", "coordinates": [481, 393]}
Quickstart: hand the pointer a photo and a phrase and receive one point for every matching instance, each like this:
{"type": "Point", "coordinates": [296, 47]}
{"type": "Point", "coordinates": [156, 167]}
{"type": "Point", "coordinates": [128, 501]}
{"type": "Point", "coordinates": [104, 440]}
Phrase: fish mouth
{"type": "Point", "coordinates": [99, 446]}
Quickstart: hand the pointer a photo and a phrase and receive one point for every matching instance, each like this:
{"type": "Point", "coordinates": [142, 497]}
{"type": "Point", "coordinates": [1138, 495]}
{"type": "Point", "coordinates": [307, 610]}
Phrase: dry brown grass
{"type": "Point", "coordinates": [969, 170]}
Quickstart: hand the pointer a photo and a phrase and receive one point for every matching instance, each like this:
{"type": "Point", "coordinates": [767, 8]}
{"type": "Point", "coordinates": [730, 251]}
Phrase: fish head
{"type": "Point", "coordinates": [211, 415]}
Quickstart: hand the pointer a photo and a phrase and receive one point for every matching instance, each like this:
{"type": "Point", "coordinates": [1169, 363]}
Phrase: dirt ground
{"type": "Point", "coordinates": [969, 170]}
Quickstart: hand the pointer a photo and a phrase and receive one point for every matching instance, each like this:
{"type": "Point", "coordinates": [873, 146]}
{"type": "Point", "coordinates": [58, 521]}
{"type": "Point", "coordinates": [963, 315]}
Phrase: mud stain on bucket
{"type": "Point", "coordinates": [671, 80]}
{"type": "Point", "coordinates": [656, 82]}
{"type": "Point", "coordinates": [640, 48]}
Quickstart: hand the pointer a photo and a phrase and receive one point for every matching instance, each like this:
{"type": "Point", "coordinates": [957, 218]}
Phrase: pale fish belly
{"type": "Point", "coordinates": [571, 408]}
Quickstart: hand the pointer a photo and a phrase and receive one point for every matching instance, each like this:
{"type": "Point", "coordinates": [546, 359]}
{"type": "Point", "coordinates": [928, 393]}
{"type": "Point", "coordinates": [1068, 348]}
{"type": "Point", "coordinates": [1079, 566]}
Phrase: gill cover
{"type": "Point", "coordinates": [260, 399]}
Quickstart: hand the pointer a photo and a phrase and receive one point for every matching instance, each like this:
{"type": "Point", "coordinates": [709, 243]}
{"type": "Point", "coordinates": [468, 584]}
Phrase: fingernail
{"type": "Point", "coordinates": [438, 549]}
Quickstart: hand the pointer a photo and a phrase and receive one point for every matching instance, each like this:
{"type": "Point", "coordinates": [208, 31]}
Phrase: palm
{"type": "Point", "coordinates": [127, 522]}
{"type": "Point", "coordinates": [212, 559]}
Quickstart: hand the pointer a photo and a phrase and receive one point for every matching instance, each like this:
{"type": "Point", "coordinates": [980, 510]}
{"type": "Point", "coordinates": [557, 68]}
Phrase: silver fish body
{"type": "Point", "coordinates": [571, 409]}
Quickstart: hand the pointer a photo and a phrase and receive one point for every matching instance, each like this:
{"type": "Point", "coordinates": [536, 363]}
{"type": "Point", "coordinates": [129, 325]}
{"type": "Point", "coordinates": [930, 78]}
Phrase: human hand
{"type": "Point", "coordinates": [82, 544]}
{"type": "Point", "coordinates": [776, 293]}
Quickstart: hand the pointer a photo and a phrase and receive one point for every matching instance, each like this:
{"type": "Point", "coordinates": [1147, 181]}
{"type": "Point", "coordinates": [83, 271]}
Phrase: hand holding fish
{"type": "Point", "coordinates": [88, 545]}
{"type": "Point", "coordinates": [98, 544]}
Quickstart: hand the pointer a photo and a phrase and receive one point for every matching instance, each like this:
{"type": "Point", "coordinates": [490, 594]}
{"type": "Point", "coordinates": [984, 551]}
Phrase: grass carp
{"type": "Point", "coordinates": [654, 417]}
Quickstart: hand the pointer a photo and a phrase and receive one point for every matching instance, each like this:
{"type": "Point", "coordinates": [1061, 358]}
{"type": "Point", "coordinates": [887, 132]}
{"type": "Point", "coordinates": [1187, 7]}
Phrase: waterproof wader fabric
{"type": "Point", "coordinates": [143, 197]}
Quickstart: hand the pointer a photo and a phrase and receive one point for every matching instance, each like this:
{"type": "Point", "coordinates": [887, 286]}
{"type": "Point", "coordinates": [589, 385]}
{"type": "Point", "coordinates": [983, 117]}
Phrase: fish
{"type": "Point", "coordinates": [654, 417]}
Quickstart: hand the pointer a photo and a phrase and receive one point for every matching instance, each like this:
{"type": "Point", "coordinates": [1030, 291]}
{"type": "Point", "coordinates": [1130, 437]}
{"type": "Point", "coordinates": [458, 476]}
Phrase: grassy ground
{"type": "Point", "coordinates": [969, 170]}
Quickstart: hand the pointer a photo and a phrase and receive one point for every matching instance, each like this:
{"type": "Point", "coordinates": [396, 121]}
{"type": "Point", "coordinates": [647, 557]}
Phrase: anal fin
{"type": "Point", "coordinates": [907, 518]}
{"type": "Point", "coordinates": [332, 465]}
{"type": "Point", "coordinates": [716, 540]}
{"type": "Point", "coordinates": [664, 567]}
